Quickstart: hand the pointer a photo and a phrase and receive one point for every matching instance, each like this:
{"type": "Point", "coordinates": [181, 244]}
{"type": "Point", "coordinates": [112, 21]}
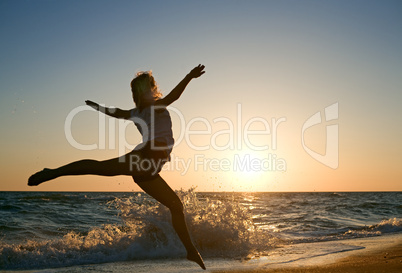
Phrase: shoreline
{"type": "Point", "coordinates": [372, 254]}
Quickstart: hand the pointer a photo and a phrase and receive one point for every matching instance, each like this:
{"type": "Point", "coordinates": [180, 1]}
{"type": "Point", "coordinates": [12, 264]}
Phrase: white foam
{"type": "Point", "coordinates": [218, 229]}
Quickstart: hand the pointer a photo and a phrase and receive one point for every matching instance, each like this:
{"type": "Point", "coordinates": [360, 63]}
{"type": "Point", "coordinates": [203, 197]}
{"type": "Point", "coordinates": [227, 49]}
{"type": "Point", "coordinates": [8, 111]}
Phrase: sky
{"type": "Point", "coordinates": [297, 95]}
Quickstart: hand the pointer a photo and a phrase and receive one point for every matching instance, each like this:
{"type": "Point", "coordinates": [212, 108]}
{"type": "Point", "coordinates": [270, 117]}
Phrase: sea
{"type": "Point", "coordinates": [80, 231]}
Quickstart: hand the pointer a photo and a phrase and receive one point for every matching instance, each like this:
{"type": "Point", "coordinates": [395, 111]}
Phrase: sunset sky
{"type": "Point", "coordinates": [270, 66]}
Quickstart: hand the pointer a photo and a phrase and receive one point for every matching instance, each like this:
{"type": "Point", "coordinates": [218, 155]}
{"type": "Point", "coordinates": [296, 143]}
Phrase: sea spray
{"type": "Point", "coordinates": [224, 227]}
{"type": "Point", "coordinates": [218, 228]}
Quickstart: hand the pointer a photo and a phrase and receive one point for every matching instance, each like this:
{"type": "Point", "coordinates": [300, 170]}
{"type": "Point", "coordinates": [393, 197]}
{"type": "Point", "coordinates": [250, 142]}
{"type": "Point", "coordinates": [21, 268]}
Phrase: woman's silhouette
{"type": "Point", "coordinates": [146, 160]}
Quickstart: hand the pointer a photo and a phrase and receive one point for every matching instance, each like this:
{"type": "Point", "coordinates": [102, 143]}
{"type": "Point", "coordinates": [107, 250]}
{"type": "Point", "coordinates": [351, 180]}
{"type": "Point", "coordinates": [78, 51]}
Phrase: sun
{"type": "Point", "coordinates": [248, 166]}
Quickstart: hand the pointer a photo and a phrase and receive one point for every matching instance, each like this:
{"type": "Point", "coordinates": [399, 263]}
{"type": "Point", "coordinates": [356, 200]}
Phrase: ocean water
{"type": "Point", "coordinates": [42, 230]}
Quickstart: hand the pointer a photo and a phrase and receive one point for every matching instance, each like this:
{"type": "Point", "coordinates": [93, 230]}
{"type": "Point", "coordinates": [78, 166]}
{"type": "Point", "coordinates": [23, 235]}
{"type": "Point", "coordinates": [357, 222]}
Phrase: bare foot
{"type": "Point", "coordinates": [40, 177]}
{"type": "Point", "coordinates": [196, 257]}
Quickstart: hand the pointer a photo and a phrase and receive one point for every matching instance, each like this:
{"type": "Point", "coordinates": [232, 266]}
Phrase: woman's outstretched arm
{"type": "Point", "coordinates": [113, 112]}
{"type": "Point", "coordinates": [178, 90]}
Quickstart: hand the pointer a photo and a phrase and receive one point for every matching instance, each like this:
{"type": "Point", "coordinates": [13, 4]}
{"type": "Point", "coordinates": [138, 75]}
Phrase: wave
{"type": "Point", "coordinates": [47, 197]}
{"type": "Point", "coordinates": [389, 226]}
{"type": "Point", "coordinates": [392, 225]}
{"type": "Point", "coordinates": [218, 228]}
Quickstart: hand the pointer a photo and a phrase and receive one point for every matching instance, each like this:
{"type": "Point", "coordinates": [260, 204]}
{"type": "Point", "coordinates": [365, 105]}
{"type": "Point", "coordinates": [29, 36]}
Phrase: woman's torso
{"type": "Point", "coordinates": [154, 123]}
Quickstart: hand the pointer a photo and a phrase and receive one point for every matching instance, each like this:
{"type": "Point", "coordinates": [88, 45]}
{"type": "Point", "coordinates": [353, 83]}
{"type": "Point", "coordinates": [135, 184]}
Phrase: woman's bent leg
{"type": "Point", "coordinates": [161, 191]}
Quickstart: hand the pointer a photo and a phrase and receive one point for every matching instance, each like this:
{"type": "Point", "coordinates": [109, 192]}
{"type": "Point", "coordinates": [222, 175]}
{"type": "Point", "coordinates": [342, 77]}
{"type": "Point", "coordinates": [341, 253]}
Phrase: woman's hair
{"type": "Point", "coordinates": [143, 83]}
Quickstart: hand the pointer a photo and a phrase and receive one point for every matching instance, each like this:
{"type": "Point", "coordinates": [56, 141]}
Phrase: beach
{"type": "Point", "coordinates": [379, 254]}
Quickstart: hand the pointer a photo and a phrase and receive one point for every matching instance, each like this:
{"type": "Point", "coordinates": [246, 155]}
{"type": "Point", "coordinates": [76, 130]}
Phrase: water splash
{"type": "Point", "coordinates": [218, 227]}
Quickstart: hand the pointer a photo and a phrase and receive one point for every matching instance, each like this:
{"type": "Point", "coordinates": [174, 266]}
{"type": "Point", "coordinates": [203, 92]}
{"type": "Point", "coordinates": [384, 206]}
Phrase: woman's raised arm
{"type": "Point", "coordinates": [178, 90]}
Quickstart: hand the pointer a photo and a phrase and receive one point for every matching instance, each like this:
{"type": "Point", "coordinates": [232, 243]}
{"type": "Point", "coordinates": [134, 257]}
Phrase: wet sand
{"type": "Point", "coordinates": [373, 257]}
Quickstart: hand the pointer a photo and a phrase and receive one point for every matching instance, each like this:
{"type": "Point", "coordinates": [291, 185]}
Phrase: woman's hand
{"type": "Point", "coordinates": [94, 105]}
{"type": "Point", "coordinates": [197, 71]}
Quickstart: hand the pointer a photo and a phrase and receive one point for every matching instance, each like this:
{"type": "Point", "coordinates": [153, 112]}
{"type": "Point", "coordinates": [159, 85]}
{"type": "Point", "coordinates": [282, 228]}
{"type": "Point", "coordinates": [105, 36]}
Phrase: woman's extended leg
{"type": "Point", "coordinates": [161, 191]}
{"type": "Point", "coordinates": [117, 166]}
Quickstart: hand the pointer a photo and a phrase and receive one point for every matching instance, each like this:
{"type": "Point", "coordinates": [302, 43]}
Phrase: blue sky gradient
{"type": "Point", "coordinates": [276, 58]}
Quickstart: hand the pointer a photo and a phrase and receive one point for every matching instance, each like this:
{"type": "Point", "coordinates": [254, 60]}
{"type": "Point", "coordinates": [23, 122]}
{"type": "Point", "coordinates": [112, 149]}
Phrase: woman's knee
{"type": "Point", "coordinates": [105, 167]}
{"type": "Point", "coordinates": [89, 161]}
{"type": "Point", "coordinates": [92, 164]}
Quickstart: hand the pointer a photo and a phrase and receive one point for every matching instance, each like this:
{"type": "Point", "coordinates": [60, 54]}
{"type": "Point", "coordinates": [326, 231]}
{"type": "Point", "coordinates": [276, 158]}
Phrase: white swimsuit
{"type": "Point", "coordinates": [154, 123]}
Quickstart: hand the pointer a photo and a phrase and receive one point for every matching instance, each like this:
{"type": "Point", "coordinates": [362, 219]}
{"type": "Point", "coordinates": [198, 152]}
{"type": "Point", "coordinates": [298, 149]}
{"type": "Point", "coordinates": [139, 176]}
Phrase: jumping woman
{"type": "Point", "coordinates": [146, 161]}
